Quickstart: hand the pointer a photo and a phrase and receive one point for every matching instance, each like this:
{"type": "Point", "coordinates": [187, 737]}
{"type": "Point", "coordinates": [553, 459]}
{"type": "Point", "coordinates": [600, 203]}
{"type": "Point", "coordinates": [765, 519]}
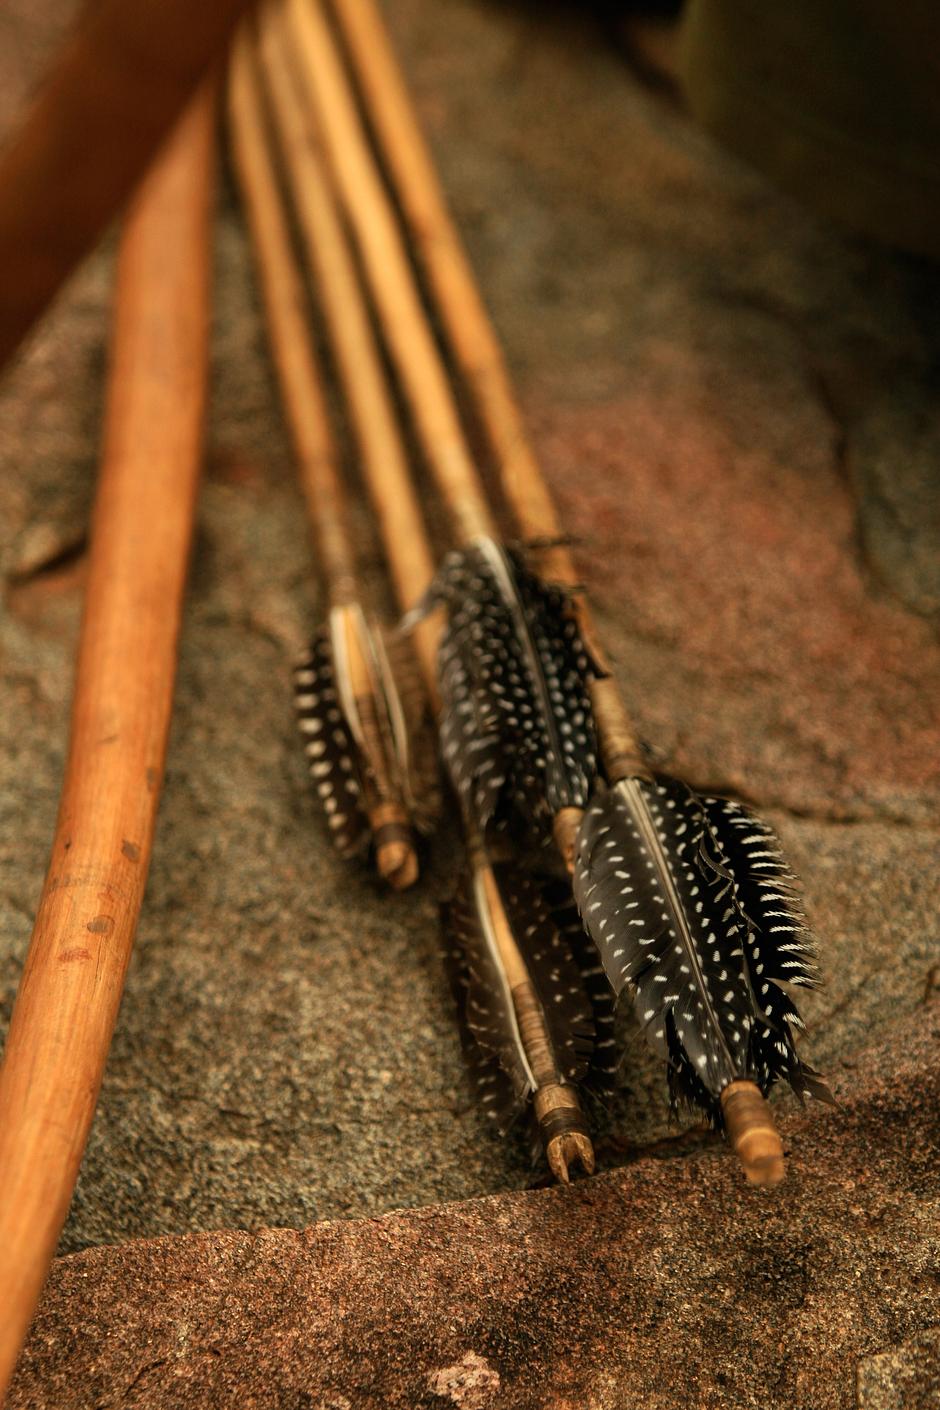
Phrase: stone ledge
{"type": "Point", "coordinates": [664, 1284]}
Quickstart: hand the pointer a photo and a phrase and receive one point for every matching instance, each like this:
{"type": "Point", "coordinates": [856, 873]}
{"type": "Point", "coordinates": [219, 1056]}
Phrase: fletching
{"type": "Point", "coordinates": [688, 900]}
{"type": "Point", "coordinates": [331, 748]}
{"type": "Point", "coordinates": [517, 732]}
{"type": "Point", "coordinates": [501, 1067]}
{"type": "Point", "coordinates": [779, 948]}
{"type": "Point", "coordinates": [362, 735]}
{"type": "Point", "coordinates": [518, 740]}
{"type": "Point", "coordinates": [607, 1052]}
{"type": "Point", "coordinates": [553, 970]}
{"type": "Point", "coordinates": [471, 744]}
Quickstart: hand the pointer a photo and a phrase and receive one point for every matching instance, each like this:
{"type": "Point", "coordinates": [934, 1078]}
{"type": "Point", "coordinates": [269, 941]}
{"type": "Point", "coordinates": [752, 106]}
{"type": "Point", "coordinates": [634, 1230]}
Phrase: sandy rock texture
{"type": "Point", "coordinates": [736, 408]}
{"type": "Point", "coordinates": [664, 1284]}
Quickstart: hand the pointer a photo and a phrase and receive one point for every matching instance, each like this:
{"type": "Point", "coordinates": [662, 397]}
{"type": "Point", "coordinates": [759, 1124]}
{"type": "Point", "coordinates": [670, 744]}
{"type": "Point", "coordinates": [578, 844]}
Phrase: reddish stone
{"type": "Point", "coordinates": [668, 1283]}
{"type": "Point", "coordinates": [752, 642]}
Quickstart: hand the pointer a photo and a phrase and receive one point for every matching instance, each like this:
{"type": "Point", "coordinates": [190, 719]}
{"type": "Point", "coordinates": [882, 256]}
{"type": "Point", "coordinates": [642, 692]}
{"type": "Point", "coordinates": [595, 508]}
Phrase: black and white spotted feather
{"type": "Point", "coordinates": [497, 1058]}
{"type": "Point", "coordinates": [607, 1051]}
{"type": "Point", "coordinates": [517, 729]}
{"type": "Point", "coordinates": [330, 748]}
{"type": "Point", "coordinates": [689, 902]}
{"type": "Point", "coordinates": [471, 743]}
{"type": "Point", "coordinates": [356, 757]}
{"type": "Point", "coordinates": [780, 950]}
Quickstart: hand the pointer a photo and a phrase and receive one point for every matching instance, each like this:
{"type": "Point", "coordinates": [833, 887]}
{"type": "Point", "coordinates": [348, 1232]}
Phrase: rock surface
{"type": "Point", "coordinates": [735, 407]}
{"type": "Point", "coordinates": [665, 1284]}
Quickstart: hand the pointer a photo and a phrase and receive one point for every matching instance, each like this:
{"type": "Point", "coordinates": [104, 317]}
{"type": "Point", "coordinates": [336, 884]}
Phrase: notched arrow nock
{"type": "Point", "coordinates": [563, 1130]}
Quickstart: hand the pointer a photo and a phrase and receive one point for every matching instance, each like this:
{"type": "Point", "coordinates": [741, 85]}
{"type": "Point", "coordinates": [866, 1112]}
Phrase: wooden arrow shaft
{"type": "Point", "coordinates": [439, 248]}
{"type": "Point", "coordinates": [473, 341]}
{"type": "Point", "coordinates": [405, 324]}
{"type": "Point", "coordinates": [285, 303]}
{"type": "Point", "coordinates": [384, 458]}
{"type": "Point", "coordinates": [317, 456]}
{"type": "Point", "coordinates": [560, 1119]}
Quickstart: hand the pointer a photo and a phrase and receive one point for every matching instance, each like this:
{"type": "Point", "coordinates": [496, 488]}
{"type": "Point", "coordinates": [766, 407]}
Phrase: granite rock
{"type": "Point", "coordinates": [663, 1284]}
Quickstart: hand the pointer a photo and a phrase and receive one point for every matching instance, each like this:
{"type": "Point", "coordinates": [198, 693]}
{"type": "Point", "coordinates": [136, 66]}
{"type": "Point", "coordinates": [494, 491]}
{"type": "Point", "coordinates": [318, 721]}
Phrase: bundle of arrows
{"type": "Point", "coordinates": [587, 875]}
